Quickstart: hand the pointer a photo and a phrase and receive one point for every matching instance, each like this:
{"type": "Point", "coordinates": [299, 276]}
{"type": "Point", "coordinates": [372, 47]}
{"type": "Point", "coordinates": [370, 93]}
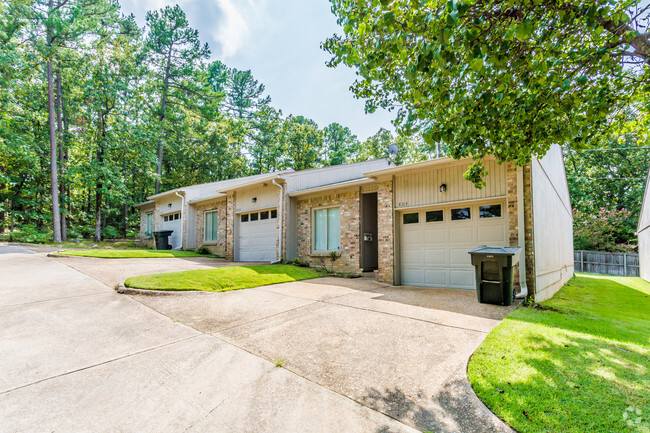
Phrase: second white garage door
{"type": "Point", "coordinates": [434, 242]}
{"type": "Point", "coordinates": [258, 236]}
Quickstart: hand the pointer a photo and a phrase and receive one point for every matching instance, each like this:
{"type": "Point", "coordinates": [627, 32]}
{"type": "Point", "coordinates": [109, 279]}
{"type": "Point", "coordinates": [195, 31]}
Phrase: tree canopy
{"type": "Point", "coordinates": [504, 78]}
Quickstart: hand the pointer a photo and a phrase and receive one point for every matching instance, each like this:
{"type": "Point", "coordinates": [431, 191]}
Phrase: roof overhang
{"type": "Point", "coordinates": [414, 166]}
{"type": "Point", "coordinates": [209, 198]}
{"type": "Point", "coordinates": [254, 182]}
{"type": "Point", "coordinates": [338, 185]}
{"type": "Point", "coordinates": [166, 193]}
{"type": "Point", "coordinates": [145, 204]}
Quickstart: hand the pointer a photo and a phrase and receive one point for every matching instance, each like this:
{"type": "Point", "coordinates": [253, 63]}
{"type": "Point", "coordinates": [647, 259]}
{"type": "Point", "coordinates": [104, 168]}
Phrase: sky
{"type": "Point", "coordinates": [279, 41]}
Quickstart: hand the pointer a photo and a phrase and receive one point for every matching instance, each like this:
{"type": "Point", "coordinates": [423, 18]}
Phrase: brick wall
{"type": "Point", "coordinates": [385, 232]}
{"type": "Point", "coordinates": [349, 229]}
{"type": "Point", "coordinates": [229, 247]}
{"type": "Point", "coordinates": [219, 246]}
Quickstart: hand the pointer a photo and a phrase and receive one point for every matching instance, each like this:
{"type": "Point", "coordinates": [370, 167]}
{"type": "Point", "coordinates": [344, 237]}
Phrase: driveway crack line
{"type": "Point", "coordinates": [160, 346]}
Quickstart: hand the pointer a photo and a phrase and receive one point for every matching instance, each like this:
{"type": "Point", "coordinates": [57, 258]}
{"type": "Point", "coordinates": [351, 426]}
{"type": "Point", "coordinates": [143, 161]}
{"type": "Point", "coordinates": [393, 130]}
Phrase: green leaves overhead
{"type": "Point", "coordinates": [503, 78]}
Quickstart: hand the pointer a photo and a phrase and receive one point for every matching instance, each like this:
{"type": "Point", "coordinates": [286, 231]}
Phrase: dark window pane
{"type": "Point", "coordinates": [166, 218]}
{"type": "Point", "coordinates": [460, 214]}
{"type": "Point", "coordinates": [490, 211]}
{"type": "Point", "coordinates": [411, 218]}
{"type": "Point", "coordinates": [274, 213]}
{"type": "Point", "coordinates": [264, 215]}
{"type": "Point", "coordinates": [176, 216]}
{"type": "Point", "coordinates": [434, 216]}
{"type": "Point", "coordinates": [244, 218]}
{"type": "Point", "coordinates": [254, 216]}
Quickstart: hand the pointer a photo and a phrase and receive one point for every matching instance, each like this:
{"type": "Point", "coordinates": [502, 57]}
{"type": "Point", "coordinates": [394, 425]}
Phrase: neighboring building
{"type": "Point", "coordinates": [643, 232]}
{"type": "Point", "coordinates": [412, 224]}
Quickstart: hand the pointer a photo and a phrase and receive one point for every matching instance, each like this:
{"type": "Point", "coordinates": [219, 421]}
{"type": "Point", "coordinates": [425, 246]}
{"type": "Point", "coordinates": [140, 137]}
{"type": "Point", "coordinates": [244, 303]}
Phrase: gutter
{"type": "Point", "coordinates": [280, 214]}
{"type": "Point", "coordinates": [521, 221]}
{"type": "Point", "coordinates": [182, 217]}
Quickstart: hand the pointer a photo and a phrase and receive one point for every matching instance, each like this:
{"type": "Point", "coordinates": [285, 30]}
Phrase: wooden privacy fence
{"type": "Point", "coordinates": [599, 262]}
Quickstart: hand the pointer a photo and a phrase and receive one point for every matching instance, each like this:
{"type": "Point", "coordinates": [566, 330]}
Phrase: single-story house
{"type": "Point", "coordinates": [643, 233]}
{"type": "Point", "coordinates": [412, 224]}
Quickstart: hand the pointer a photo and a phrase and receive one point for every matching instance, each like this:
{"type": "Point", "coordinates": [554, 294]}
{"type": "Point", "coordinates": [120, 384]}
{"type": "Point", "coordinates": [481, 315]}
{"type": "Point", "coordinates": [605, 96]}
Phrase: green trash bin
{"type": "Point", "coordinates": [162, 239]}
{"type": "Point", "coordinates": [495, 269]}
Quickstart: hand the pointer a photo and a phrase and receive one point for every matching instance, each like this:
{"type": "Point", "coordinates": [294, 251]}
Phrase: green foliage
{"type": "Point", "coordinates": [28, 233]}
{"type": "Point", "coordinates": [496, 78]}
{"type": "Point", "coordinates": [605, 230]}
{"type": "Point", "coordinates": [203, 250]}
{"type": "Point", "coordinates": [575, 363]}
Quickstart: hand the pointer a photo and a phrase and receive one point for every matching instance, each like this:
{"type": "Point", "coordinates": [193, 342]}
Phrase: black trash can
{"type": "Point", "coordinates": [495, 269]}
{"type": "Point", "coordinates": [162, 239]}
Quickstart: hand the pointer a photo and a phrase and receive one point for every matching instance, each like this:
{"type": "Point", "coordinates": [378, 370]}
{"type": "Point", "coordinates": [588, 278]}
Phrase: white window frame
{"type": "Point", "coordinates": [205, 226]}
{"type": "Point", "coordinates": [313, 229]}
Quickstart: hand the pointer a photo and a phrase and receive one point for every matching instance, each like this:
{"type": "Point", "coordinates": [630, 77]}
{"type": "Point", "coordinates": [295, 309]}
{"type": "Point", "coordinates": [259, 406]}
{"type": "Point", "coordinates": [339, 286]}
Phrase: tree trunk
{"type": "Point", "coordinates": [54, 181]}
{"type": "Point", "coordinates": [159, 166]}
{"type": "Point", "coordinates": [61, 142]}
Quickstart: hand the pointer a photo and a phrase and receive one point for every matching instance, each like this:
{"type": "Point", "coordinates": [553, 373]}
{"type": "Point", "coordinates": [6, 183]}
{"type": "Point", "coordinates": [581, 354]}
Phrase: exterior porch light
{"type": "Point", "coordinates": [443, 187]}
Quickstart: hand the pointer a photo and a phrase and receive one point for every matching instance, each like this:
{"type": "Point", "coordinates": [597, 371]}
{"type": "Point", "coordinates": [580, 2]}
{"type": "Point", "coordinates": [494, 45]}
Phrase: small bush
{"type": "Point", "coordinates": [31, 234]}
{"type": "Point", "coordinates": [203, 250]}
{"type": "Point", "coordinates": [110, 232]}
{"type": "Point", "coordinates": [298, 262]}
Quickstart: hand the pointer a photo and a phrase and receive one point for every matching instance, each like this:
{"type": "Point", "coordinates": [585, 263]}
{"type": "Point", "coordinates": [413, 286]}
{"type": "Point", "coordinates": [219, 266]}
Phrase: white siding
{"type": "Point", "coordinates": [644, 234]}
{"type": "Point", "coordinates": [552, 224]}
{"type": "Point", "coordinates": [266, 196]}
{"type": "Point", "coordinates": [421, 187]}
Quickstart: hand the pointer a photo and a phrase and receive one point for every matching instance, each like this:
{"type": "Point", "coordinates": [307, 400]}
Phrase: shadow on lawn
{"type": "Point", "coordinates": [582, 370]}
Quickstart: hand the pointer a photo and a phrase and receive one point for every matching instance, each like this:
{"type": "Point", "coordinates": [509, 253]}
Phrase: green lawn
{"type": "Point", "coordinates": [223, 279]}
{"type": "Point", "coordinates": [580, 363]}
{"type": "Point", "coordinates": [128, 253]}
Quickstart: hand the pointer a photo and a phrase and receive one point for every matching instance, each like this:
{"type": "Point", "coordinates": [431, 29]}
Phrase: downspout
{"type": "Point", "coordinates": [521, 221]}
{"type": "Point", "coordinates": [182, 217]}
{"type": "Point", "coordinates": [280, 214]}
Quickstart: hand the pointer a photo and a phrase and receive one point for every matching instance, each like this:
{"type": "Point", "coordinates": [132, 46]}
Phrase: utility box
{"type": "Point", "coordinates": [495, 269]}
{"type": "Point", "coordinates": [162, 239]}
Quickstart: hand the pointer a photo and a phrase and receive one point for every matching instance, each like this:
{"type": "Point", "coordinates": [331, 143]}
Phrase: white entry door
{"type": "Point", "coordinates": [434, 242]}
{"type": "Point", "coordinates": [258, 236]}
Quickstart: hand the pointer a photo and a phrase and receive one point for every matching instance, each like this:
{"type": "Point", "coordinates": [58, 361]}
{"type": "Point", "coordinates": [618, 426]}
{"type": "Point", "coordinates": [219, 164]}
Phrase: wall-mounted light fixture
{"type": "Point", "coordinates": [443, 187]}
{"type": "Point", "coordinates": [254, 200]}
{"type": "Point", "coordinates": [169, 205]}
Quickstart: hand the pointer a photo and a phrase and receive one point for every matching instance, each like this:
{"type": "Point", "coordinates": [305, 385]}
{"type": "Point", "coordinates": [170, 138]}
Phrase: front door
{"type": "Point", "coordinates": [369, 244]}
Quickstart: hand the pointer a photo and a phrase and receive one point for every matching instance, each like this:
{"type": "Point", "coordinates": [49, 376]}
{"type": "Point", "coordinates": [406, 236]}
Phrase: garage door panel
{"type": "Point", "coordinates": [435, 254]}
{"type": "Point", "coordinates": [433, 236]}
{"type": "Point", "coordinates": [412, 277]}
{"type": "Point", "coordinates": [413, 257]}
{"type": "Point", "coordinates": [175, 237]}
{"type": "Point", "coordinates": [491, 234]}
{"type": "Point", "coordinates": [412, 236]}
{"type": "Point", "coordinates": [461, 234]}
{"type": "Point", "coordinates": [436, 257]}
{"type": "Point", "coordinates": [436, 277]}
{"type": "Point", "coordinates": [257, 240]}
{"type": "Point", "coordinates": [463, 279]}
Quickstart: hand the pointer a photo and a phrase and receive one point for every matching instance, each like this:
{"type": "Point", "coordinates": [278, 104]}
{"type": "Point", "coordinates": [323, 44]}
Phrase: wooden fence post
{"type": "Point", "coordinates": [625, 264]}
{"type": "Point", "coordinates": [582, 261]}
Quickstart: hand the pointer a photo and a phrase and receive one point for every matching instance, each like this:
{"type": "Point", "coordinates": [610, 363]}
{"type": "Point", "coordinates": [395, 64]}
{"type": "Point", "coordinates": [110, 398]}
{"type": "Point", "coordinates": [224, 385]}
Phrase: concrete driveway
{"type": "Point", "coordinates": [357, 355]}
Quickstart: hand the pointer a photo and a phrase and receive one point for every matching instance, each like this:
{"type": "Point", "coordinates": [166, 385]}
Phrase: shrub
{"type": "Point", "coordinates": [110, 232]}
{"type": "Point", "coordinates": [203, 250]}
{"type": "Point", "coordinates": [606, 230]}
{"type": "Point", "coordinates": [31, 234]}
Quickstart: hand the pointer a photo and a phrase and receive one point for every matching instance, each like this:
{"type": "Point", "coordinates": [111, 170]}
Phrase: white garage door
{"type": "Point", "coordinates": [258, 236]}
{"type": "Point", "coordinates": [434, 242]}
{"type": "Point", "coordinates": [172, 222]}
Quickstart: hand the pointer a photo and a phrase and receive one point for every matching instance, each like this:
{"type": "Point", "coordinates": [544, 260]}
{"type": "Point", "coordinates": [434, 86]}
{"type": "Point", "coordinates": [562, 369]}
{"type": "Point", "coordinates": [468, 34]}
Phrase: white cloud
{"type": "Point", "coordinates": [232, 31]}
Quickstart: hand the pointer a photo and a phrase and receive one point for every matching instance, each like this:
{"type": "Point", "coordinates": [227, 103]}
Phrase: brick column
{"type": "Point", "coordinates": [385, 232]}
{"type": "Point", "coordinates": [513, 214]}
{"type": "Point", "coordinates": [230, 227]}
{"type": "Point", "coordinates": [529, 232]}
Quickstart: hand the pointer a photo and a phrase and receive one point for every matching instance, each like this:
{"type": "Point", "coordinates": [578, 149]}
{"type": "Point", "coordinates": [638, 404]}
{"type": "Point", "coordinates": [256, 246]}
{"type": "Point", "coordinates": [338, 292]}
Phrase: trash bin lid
{"type": "Point", "coordinates": [505, 251]}
{"type": "Point", "coordinates": [163, 232]}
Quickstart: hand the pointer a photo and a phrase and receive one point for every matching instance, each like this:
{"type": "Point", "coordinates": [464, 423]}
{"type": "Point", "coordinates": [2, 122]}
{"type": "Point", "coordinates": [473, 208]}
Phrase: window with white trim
{"type": "Point", "coordinates": [210, 228]}
{"type": "Point", "coordinates": [327, 229]}
{"type": "Point", "coordinates": [148, 224]}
